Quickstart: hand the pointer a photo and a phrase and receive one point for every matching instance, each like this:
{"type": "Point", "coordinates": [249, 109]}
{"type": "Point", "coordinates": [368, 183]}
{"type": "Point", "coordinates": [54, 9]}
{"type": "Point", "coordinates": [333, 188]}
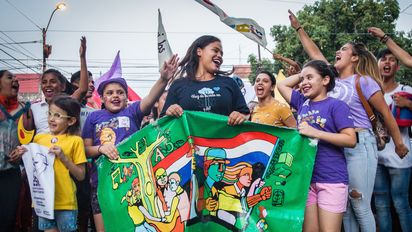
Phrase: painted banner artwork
{"type": "Point", "coordinates": [196, 172]}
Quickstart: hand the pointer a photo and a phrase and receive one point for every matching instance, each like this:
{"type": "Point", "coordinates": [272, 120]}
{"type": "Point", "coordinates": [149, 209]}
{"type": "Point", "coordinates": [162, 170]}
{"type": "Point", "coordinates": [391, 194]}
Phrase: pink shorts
{"type": "Point", "coordinates": [330, 197]}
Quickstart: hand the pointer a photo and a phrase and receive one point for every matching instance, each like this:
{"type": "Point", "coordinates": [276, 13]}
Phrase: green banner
{"type": "Point", "coordinates": [196, 173]}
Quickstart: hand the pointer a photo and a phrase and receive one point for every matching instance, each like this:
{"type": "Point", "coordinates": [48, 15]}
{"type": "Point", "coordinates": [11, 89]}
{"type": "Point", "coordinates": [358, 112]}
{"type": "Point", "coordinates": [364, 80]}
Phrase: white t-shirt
{"type": "Point", "coordinates": [84, 112]}
{"type": "Point", "coordinates": [388, 157]}
{"type": "Point", "coordinates": [40, 110]}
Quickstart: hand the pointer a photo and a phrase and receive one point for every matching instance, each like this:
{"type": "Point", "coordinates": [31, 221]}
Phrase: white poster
{"type": "Point", "coordinates": [40, 173]}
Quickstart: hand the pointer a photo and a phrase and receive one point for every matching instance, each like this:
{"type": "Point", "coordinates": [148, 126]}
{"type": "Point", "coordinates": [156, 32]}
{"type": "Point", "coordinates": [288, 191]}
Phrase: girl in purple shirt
{"type": "Point", "coordinates": [330, 121]}
{"type": "Point", "coordinates": [352, 61]}
{"type": "Point", "coordinates": [105, 128]}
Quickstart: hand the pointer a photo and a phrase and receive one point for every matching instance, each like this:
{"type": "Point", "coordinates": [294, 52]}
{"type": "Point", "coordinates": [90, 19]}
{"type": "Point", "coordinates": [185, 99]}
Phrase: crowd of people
{"type": "Point", "coordinates": [349, 170]}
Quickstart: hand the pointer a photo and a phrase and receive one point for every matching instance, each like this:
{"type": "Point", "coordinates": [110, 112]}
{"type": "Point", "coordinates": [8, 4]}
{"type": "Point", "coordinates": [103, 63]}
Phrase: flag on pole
{"type": "Point", "coordinates": [115, 71]}
{"type": "Point", "coordinates": [280, 77]}
{"type": "Point", "coordinates": [248, 27]}
{"type": "Point", "coordinates": [163, 46]}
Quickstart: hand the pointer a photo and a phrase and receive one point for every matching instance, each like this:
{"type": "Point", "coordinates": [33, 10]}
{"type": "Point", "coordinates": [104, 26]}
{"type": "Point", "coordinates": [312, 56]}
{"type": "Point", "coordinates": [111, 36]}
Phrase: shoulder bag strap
{"type": "Point", "coordinates": [365, 103]}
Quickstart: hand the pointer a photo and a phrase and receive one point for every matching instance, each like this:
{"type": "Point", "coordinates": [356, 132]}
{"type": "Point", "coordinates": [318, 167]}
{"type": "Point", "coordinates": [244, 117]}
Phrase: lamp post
{"type": "Point", "coordinates": [47, 47]}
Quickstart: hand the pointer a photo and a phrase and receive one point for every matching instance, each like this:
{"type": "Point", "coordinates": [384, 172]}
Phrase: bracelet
{"type": "Point", "coordinates": [98, 149]}
{"type": "Point", "coordinates": [384, 38]}
{"type": "Point", "coordinates": [297, 29]}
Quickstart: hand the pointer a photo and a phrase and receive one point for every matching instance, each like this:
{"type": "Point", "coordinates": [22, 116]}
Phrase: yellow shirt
{"type": "Point", "coordinates": [273, 114]}
{"type": "Point", "coordinates": [73, 149]}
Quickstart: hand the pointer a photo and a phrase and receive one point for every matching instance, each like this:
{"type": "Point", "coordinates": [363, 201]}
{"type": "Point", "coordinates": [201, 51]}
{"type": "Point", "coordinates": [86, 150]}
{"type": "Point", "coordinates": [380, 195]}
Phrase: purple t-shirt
{"type": "Point", "coordinates": [345, 90]}
{"type": "Point", "coordinates": [105, 127]}
{"type": "Point", "coordinates": [330, 115]}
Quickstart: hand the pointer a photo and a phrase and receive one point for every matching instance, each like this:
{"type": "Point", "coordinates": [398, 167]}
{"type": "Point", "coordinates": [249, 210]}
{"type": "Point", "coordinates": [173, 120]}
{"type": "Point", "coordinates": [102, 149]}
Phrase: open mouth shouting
{"type": "Point", "coordinates": [386, 69]}
{"type": "Point", "coordinates": [260, 90]}
{"type": "Point", "coordinates": [218, 61]}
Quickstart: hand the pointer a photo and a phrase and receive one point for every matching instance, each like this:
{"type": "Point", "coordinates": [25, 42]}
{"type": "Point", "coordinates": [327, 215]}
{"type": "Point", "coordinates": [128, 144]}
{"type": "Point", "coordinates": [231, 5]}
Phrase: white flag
{"type": "Point", "coordinates": [163, 47]}
{"type": "Point", "coordinates": [248, 27]}
{"type": "Point", "coordinates": [40, 174]}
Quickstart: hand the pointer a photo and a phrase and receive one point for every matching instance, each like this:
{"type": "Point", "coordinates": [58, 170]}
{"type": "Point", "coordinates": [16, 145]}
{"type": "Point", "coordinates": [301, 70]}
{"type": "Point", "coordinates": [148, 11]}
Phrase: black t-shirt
{"type": "Point", "coordinates": [220, 95]}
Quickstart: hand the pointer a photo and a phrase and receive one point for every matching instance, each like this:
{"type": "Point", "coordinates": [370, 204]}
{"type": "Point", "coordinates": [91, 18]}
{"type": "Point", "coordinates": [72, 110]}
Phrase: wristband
{"type": "Point", "coordinates": [384, 38]}
{"type": "Point", "coordinates": [297, 29]}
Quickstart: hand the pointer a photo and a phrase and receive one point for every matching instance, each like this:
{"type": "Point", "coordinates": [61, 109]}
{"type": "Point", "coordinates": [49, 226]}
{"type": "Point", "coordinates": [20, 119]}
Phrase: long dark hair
{"type": "Point", "coordinates": [188, 65]}
{"type": "Point", "coordinates": [324, 70]}
{"type": "Point", "coordinates": [72, 108]}
{"type": "Point", "coordinates": [62, 79]}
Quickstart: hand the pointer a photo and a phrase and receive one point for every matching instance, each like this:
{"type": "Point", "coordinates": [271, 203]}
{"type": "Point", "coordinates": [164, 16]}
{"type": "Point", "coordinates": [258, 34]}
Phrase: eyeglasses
{"type": "Point", "coordinates": [57, 115]}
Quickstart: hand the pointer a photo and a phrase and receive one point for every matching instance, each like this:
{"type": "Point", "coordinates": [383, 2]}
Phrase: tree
{"type": "Point", "coordinates": [256, 66]}
{"type": "Point", "coordinates": [331, 24]}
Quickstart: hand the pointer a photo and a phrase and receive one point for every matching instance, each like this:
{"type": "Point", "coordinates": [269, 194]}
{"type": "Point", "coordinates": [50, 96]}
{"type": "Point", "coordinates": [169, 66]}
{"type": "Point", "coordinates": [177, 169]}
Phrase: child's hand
{"type": "Point", "coordinates": [58, 152]}
{"type": "Point", "coordinates": [109, 150]}
{"type": "Point", "coordinates": [306, 129]}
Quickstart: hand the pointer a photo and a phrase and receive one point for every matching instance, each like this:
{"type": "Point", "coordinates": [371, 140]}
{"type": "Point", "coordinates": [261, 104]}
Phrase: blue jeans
{"type": "Point", "coordinates": [392, 183]}
{"type": "Point", "coordinates": [64, 221]}
{"type": "Point", "coordinates": [362, 162]}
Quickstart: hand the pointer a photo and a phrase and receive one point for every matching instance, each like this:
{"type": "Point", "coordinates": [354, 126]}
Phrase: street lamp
{"type": "Point", "coordinates": [47, 47]}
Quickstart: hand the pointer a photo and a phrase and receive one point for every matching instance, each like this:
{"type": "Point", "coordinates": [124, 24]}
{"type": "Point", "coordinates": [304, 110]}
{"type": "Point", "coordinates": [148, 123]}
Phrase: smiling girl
{"type": "Point", "coordinates": [68, 148]}
{"type": "Point", "coordinates": [354, 62]}
{"type": "Point", "coordinates": [202, 86]}
{"type": "Point", "coordinates": [330, 121]}
{"type": "Point", "coordinates": [105, 128]}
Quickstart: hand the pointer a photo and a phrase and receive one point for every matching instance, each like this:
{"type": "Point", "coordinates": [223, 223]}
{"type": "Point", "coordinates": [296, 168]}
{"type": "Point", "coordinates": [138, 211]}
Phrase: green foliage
{"type": "Point", "coordinates": [331, 24]}
{"type": "Point", "coordinates": [256, 66]}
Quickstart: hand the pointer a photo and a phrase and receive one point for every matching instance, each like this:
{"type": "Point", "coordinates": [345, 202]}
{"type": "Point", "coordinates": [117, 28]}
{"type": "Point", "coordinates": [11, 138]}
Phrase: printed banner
{"type": "Point", "coordinates": [196, 172]}
{"type": "Point", "coordinates": [40, 174]}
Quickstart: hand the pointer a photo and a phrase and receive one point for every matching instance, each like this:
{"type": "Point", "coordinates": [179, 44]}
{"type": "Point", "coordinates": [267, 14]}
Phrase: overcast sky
{"type": "Point", "coordinates": [131, 27]}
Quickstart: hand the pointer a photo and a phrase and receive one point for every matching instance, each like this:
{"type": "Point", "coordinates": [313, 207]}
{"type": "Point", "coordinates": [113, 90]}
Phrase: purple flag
{"type": "Point", "coordinates": [114, 72]}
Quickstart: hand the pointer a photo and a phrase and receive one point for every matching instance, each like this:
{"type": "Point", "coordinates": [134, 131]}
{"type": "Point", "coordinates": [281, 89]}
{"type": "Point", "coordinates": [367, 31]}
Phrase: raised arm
{"type": "Point", "coordinates": [310, 47]}
{"type": "Point", "coordinates": [286, 60]}
{"type": "Point", "coordinates": [166, 73]}
{"type": "Point", "coordinates": [401, 54]}
{"type": "Point", "coordinates": [84, 74]}
{"type": "Point", "coordinates": [285, 87]}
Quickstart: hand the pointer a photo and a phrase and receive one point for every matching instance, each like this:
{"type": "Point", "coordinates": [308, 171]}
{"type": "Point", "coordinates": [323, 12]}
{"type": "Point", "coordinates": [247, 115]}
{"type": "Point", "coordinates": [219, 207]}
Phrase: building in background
{"type": "Point", "coordinates": [29, 87]}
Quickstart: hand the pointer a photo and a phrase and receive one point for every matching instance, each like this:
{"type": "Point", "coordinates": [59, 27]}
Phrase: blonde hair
{"type": "Point", "coordinates": [367, 64]}
{"type": "Point", "coordinates": [232, 173]}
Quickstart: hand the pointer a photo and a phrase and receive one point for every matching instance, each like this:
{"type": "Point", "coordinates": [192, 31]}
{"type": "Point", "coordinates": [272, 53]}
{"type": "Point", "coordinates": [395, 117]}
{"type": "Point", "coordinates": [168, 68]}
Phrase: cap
{"type": "Point", "coordinates": [119, 81]}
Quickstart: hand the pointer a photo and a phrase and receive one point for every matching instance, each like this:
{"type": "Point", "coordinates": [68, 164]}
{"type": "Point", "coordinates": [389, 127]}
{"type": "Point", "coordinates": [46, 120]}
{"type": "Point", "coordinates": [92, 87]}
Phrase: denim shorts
{"type": "Point", "coordinates": [64, 220]}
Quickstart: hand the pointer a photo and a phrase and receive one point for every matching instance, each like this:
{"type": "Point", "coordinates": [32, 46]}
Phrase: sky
{"type": "Point", "coordinates": [131, 27]}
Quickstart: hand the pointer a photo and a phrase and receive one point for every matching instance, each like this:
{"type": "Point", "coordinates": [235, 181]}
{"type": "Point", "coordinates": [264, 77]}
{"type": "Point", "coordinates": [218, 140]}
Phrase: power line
{"type": "Point", "coordinates": [27, 17]}
{"type": "Point", "coordinates": [406, 8]}
{"type": "Point", "coordinates": [18, 61]}
{"type": "Point", "coordinates": [32, 55]}
{"type": "Point", "coordinates": [24, 42]}
{"type": "Point", "coordinates": [8, 65]}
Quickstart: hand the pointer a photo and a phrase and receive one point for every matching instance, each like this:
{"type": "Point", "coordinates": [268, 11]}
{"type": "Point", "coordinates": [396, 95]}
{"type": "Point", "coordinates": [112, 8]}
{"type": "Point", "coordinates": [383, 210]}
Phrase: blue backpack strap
{"type": "Point", "coordinates": [24, 109]}
{"type": "Point", "coordinates": [4, 111]}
